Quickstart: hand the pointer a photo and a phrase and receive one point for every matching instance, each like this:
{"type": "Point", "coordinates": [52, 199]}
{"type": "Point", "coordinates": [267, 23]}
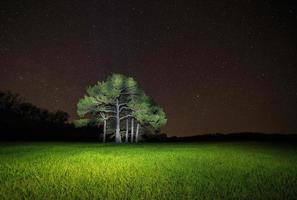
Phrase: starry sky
{"type": "Point", "coordinates": [215, 66]}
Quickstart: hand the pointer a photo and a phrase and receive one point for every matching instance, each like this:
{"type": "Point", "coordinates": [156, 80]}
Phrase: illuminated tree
{"type": "Point", "coordinates": [109, 99]}
{"type": "Point", "coordinates": [146, 112]}
{"type": "Point", "coordinates": [120, 98]}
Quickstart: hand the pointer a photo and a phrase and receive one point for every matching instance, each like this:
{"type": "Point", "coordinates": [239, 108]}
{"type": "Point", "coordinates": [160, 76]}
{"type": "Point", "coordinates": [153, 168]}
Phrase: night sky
{"type": "Point", "coordinates": [215, 66]}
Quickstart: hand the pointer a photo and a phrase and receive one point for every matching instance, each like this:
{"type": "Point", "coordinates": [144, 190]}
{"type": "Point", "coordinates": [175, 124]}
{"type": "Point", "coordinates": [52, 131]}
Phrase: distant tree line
{"type": "Point", "coordinates": [241, 136]}
{"type": "Point", "coordinates": [15, 112]}
{"type": "Point", "coordinates": [20, 120]}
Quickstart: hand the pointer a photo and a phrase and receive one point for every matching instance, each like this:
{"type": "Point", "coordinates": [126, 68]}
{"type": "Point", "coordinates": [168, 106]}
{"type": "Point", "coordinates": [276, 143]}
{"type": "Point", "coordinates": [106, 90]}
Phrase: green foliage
{"type": "Point", "coordinates": [121, 95]}
{"type": "Point", "coordinates": [85, 122]}
{"type": "Point", "coordinates": [146, 111]}
{"type": "Point", "coordinates": [86, 105]}
{"type": "Point", "coordinates": [104, 94]}
{"type": "Point", "coordinates": [158, 117]}
{"type": "Point", "coordinates": [148, 171]}
{"type": "Point", "coordinates": [140, 108]}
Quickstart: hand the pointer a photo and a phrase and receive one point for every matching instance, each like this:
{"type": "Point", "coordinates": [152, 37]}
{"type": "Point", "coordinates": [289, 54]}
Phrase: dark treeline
{"type": "Point", "coordinates": [243, 136]}
{"type": "Point", "coordinates": [20, 120]}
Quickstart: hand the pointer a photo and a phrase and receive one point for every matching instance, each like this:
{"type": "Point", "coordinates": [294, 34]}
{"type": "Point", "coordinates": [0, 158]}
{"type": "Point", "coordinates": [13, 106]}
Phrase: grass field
{"type": "Point", "coordinates": [148, 171]}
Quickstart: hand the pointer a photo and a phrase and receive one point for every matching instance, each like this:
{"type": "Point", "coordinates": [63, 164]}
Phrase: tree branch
{"type": "Point", "coordinates": [126, 117]}
{"type": "Point", "coordinates": [107, 111]}
{"type": "Point", "coordinates": [126, 107]}
{"type": "Point", "coordinates": [122, 104]}
{"type": "Point", "coordinates": [110, 117]}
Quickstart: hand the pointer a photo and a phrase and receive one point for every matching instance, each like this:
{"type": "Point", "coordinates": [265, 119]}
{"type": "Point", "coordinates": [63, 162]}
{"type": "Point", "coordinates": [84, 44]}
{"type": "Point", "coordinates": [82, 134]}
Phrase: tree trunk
{"type": "Point", "coordinates": [127, 130]}
{"type": "Point", "coordinates": [132, 130]}
{"type": "Point", "coordinates": [104, 131]}
{"type": "Point", "coordinates": [137, 133]}
{"type": "Point", "coordinates": [118, 123]}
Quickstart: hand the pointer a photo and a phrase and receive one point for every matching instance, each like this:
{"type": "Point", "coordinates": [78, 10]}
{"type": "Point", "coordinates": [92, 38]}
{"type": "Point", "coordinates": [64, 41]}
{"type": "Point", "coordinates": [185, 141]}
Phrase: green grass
{"type": "Point", "coordinates": [148, 171]}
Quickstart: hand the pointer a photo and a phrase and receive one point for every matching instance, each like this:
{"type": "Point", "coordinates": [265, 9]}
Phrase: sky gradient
{"type": "Point", "coordinates": [215, 66]}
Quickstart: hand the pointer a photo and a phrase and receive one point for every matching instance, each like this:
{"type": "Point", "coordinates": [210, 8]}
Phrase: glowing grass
{"type": "Point", "coordinates": [148, 171]}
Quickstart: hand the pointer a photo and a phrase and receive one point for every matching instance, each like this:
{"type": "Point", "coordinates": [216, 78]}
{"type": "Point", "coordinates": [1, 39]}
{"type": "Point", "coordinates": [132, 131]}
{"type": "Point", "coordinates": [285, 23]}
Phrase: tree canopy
{"type": "Point", "coordinates": [119, 98]}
